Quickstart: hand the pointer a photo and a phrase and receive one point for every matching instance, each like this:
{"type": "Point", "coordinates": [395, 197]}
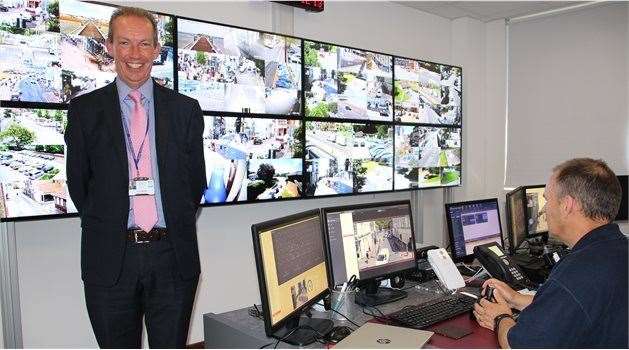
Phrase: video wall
{"type": "Point", "coordinates": [284, 117]}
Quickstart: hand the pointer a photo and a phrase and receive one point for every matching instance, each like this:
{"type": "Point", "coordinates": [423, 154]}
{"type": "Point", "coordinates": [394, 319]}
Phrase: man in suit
{"type": "Point", "coordinates": [136, 173]}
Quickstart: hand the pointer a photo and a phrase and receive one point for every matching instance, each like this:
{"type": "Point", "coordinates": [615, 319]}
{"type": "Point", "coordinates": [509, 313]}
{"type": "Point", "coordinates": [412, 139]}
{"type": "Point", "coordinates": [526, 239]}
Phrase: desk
{"type": "Point", "coordinates": [237, 329]}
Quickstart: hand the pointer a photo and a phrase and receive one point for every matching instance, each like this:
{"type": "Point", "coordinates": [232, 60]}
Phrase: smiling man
{"type": "Point", "coordinates": [583, 304]}
{"type": "Point", "coordinates": [136, 173]}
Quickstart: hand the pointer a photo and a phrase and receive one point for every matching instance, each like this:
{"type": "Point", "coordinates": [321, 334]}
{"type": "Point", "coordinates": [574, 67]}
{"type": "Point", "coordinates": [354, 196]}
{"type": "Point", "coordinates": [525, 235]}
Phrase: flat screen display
{"type": "Point", "coordinates": [347, 83]}
{"type": "Point", "coordinates": [471, 224]}
{"type": "Point", "coordinates": [32, 163]}
{"type": "Point", "coordinates": [86, 64]}
{"type": "Point", "coordinates": [248, 159]}
{"type": "Point", "coordinates": [517, 220]}
{"type": "Point", "coordinates": [54, 50]}
{"type": "Point", "coordinates": [346, 158]}
{"type": "Point", "coordinates": [30, 62]}
{"type": "Point", "coordinates": [292, 258]}
{"type": "Point", "coordinates": [371, 241]}
{"type": "Point", "coordinates": [427, 156]}
{"type": "Point", "coordinates": [229, 69]}
{"type": "Point", "coordinates": [427, 92]}
{"type": "Point", "coordinates": [535, 214]}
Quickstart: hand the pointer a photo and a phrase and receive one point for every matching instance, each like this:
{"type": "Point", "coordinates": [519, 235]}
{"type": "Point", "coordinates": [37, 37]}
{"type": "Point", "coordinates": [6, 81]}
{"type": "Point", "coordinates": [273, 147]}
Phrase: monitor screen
{"type": "Point", "coordinates": [347, 83]}
{"type": "Point", "coordinates": [250, 159]}
{"type": "Point", "coordinates": [623, 212]}
{"type": "Point", "coordinates": [370, 241]}
{"type": "Point", "coordinates": [472, 223]}
{"type": "Point", "coordinates": [535, 215]}
{"type": "Point", "coordinates": [229, 69]}
{"type": "Point", "coordinates": [32, 163]}
{"type": "Point", "coordinates": [291, 263]}
{"type": "Point", "coordinates": [516, 218]}
{"type": "Point", "coordinates": [427, 92]}
{"type": "Point", "coordinates": [30, 67]}
{"type": "Point", "coordinates": [344, 158]}
{"type": "Point", "coordinates": [427, 157]}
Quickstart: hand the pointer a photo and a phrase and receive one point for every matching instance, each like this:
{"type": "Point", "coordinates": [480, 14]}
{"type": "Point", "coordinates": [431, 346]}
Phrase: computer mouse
{"type": "Point", "coordinates": [338, 333]}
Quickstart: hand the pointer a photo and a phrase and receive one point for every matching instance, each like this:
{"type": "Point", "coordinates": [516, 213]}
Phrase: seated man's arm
{"type": "Point", "coordinates": [515, 300]}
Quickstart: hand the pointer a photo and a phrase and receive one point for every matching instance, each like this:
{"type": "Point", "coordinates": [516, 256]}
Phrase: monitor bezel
{"type": "Point", "coordinates": [623, 217]}
{"type": "Point", "coordinates": [256, 229]}
{"type": "Point", "coordinates": [512, 247]}
{"type": "Point", "coordinates": [526, 215]}
{"type": "Point", "coordinates": [455, 257]}
{"type": "Point", "coordinates": [324, 222]}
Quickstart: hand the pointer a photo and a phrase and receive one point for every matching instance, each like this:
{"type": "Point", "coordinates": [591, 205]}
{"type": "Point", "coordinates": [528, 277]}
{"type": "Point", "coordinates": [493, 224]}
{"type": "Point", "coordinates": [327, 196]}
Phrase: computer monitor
{"type": "Point", "coordinates": [292, 275]}
{"type": "Point", "coordinates": [536, 224]}
{"type": "Point", "coordinates": [516, 220]}
{"type": "Point", "coordinates": [623, 212]}
{"type": "Point", "coordinates": [372, 242]}
{"type": "Point", "coordinates": [472, 223]}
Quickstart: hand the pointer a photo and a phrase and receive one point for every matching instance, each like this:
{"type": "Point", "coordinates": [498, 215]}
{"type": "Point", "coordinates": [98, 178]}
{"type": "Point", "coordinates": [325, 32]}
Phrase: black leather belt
{"type": "Point", "coordinates": [140, 236]}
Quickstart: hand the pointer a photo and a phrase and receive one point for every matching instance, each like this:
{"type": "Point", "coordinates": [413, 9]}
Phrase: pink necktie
{"type": "Point", "coordinates": [144, 208]}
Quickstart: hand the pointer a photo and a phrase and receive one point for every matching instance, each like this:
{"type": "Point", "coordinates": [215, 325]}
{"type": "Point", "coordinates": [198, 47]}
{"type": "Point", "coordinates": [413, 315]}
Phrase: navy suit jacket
{"type": "Point", "coordinates": [98, 177]}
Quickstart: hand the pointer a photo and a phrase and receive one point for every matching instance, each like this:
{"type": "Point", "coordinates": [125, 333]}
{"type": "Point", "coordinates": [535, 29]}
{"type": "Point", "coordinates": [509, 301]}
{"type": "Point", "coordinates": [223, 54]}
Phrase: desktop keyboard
{"type": "Point", "coordinates": [427, 314]}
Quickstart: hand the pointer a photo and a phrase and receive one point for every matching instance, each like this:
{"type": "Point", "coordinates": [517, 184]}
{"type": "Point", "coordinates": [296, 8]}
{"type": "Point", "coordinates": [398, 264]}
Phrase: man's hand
{"type": "Point", "coordinates": [485, 311]}
{"type": "Point", "coordinates": [514, 299]}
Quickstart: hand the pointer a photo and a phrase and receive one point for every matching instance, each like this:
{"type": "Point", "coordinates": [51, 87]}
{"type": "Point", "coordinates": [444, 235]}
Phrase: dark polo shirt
{"type": "Point", "coordinates": [583, 304]}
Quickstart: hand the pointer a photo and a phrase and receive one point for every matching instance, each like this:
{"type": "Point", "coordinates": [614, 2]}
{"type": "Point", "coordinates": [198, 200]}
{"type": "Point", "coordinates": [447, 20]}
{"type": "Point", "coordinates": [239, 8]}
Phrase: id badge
{"type": "Point", "coordinates": [141, 186]}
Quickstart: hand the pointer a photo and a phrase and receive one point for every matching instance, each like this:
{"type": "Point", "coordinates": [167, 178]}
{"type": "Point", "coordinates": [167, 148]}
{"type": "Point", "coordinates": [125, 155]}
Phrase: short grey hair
{"type": "Point", "coordinates": [132, 12]}
{"type": "Point", "coordinates": [593, 184]}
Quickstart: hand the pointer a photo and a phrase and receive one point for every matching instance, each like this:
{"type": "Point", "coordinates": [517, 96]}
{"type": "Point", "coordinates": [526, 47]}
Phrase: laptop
{"type": "Point", "coordinates": [380, 336]}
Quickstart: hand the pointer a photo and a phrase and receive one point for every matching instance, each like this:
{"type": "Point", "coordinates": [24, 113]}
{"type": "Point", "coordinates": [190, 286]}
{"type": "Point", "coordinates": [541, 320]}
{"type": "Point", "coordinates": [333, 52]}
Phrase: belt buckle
{"type": "Point", "coordinates": [135, 233]}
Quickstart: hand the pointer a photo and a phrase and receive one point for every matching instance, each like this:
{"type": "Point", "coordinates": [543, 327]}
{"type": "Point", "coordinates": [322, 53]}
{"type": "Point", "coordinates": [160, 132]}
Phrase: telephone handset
{"type": "Point", "coordinates": [444, 268]}
{"type": "Point", "coordinates": [500, 266]}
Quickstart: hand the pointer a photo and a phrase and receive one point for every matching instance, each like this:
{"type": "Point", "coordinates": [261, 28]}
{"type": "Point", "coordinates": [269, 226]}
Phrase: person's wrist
{"type": "Point", "coordinates": [499, 318]}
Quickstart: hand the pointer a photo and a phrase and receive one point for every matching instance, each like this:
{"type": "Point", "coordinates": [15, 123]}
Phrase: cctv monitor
{"type": "Point", "coordinates": [371, 242]}
{"type": "Point", "coordinates": [427, 156]}
{"type": "Point", "coordinates": [85, 63]}
{"type": "Point", "coordinates": [516, 221]}
{"type": "Point", "coordinates": [534, 212]}
{"type": "Point", "coordinates": [347, 158]}
{"type": "Point", "coordinates": [471, 224]}
{"type": "Point", "coordinates": [347, 83]}
{"type": "Point", "coordinates": [623, 212]}
{"type": "Point", "coordinates": [229, 69]}
{"type": "Point", "coordinates": [292, 275]}
{"type": "Point", "coordinates": [251, 159]}
{"type": "Point", "coordinates": [32, 164]}
{"type": "Point", "coordinates": [427, 92]}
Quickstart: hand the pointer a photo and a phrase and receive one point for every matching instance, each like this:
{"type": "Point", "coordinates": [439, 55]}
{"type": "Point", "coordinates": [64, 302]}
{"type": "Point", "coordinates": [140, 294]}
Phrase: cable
{"type": "Point", "coordinates": [347, 318]}
{"type": "Point", "coordinates": [409, 287]}
{"type": "Point", "coordinates": [381, 318]}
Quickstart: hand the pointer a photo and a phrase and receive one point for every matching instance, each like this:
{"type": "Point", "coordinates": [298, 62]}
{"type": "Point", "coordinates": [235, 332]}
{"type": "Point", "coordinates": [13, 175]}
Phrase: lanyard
{"type": "Point", "coordinates": [134, 157]}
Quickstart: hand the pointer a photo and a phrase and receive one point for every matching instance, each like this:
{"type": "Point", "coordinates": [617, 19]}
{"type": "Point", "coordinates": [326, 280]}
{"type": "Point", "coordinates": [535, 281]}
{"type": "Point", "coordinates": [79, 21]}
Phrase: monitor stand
{"type": "Point", "coordinates": [310, 330]}
{"type": "Point", "coordinates": [371, 294]}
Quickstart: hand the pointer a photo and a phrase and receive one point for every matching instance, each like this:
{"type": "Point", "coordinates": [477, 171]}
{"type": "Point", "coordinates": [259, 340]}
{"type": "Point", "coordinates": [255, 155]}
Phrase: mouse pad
{"type": "Point", "coordinates": [451, 331]}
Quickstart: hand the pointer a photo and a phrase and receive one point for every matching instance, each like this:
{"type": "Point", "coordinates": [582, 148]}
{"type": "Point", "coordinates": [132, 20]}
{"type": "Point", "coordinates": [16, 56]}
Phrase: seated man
{"type": "Point", "coordinates": [583, 304]}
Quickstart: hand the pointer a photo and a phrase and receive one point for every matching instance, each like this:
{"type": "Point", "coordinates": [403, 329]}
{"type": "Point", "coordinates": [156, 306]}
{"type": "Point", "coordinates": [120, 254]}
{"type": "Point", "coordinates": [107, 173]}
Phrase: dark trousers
{"type": "Point", "coordinates": [149, 286]}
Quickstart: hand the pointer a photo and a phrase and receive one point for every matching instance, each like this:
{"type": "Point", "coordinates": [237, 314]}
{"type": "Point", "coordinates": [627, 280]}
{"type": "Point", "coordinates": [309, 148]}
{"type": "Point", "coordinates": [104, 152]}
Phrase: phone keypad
{"type": "Point", "coordinates": [515, 273]}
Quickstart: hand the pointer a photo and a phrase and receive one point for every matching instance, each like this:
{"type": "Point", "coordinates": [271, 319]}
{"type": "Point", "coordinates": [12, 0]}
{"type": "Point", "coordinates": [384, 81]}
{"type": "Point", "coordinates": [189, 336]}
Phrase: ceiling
{"type": "Point", "coordinates": [486, 11]}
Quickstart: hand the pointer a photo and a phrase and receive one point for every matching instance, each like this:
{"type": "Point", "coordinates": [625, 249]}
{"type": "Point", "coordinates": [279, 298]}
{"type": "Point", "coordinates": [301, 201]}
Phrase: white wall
{"type": "Point", "coordinates": [568, 86]}
{"type": "Point", "coordinates": [53, 309]}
